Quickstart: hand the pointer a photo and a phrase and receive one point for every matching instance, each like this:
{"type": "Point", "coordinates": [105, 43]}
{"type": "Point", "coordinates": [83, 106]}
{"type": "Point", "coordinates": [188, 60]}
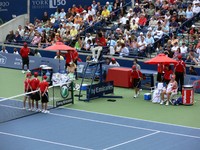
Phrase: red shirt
{"type": "Point", "coordinates": [160, 68]}
{"type": "Point", "coordinates": [101, 41]}
{"type": "Point", "coordinates": [167, 75]}
{"type": "Point", "coordinates": [75, 55]}
{"type": "Point", "coordinates": [136, 74]}
{"type": "Point", "coordinates": [27, 84]}
{"type": "Point", "coordinates": [142, 21]}
{"type": "Point", "coordinates": [180, 66]}
{"type": "Point", "coordinates": [34, 84]}
{"type": "Point", "coordinates": [43, 86]}
{"type": "Point", "coordinates": [24, 51]}
{"type": "Point", "coordinates": [69, 57]}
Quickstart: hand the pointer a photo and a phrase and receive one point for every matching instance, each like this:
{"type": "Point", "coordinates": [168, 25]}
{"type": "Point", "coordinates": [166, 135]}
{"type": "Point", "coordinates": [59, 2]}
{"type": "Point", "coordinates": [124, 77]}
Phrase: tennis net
{"type": "Point", "coordinates": [12, 108]}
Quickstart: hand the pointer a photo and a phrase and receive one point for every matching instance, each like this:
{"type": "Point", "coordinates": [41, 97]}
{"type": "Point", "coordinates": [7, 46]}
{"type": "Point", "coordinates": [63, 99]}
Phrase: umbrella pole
{"type": "Point", "coordinates": [59, 63]}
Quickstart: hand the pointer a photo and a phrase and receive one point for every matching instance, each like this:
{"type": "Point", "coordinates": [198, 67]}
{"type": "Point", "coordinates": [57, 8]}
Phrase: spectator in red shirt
{"type": "Point", "coordinates": [167, 74]}
{"type": "Point", "coordinates": [142, 21]}
{"type": "Point", "coordinates": [27, 89]}
{"type": "Point", "coordinates": [24, 52]}
{"type": "Point", "coordinates": [101, 42]}
{"type": "Point", "coordinates": [44, 94]}
{"type": "Point", "coordinates": [180, 70]}
{"type": "Point", "coordinates": [35, 96]}
{"type": "Point", "coordinates": [136, 77]}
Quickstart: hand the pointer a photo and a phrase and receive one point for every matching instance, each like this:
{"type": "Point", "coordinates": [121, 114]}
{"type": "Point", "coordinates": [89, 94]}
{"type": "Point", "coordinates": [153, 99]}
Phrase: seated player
{"type": "Point", "coordinates": [27, 88]}
{"type": "Point", "coordinates": [44, 94]}
{"type": "Point", "coordinates": [171, 89]}
{"type": "Point", "coordinates": [35, 96]}
{"type": "Point", "coordinates": [136, 77]}
{"type": "Point", "coordinates": [71, 70]}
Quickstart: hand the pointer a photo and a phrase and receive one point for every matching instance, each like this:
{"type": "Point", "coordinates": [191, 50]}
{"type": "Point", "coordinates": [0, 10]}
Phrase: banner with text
{"type": "Point", "coordinates": [8, 8]}
{"type": "Point", "coordinates": [15, 62]}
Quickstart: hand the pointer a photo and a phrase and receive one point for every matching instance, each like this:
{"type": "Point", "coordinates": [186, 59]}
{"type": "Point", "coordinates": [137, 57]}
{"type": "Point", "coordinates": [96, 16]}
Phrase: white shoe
{"type": "Point", "coordinates": [47, 111]}
{"type": "Point", "coordinates": [140, 90]}
{"type": "Point", "coordinates": [29, 109]}
{"type": "Point", "coordinates": [135, 96]}
{"type": "Point", "coordinates": [167, 103]}
{"type": "Point", "coordinates": [23, 71]}
{"type": "Point", "coordinates": [162, 102]}
{"type": "Point", "coordinates": [24, 108]}
{"type": "Point", "coordinates": [43, 111]}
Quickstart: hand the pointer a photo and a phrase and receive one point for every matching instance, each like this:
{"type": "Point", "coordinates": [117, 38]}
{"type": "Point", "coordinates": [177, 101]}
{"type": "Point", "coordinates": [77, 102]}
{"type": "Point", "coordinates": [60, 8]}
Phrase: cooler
{"type": "Point", "coordinates": [188, 95]}
{"type": "Point", "coordinates": [147, 96]}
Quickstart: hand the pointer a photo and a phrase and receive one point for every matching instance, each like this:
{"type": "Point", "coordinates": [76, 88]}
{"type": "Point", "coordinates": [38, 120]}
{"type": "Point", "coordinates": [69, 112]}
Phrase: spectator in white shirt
{"type": "Point", "coordinates": [21, 31]}
{"type": "Point", "coordinates": [114, 62]}
{"type": "Point", "coordinates": [175, 47]}
{"type": "Point", "coordinates": [183, 49]}
{"type": "Point", "coordinates": [15, 51]}
{"type": "Point", "coordinates": [196, 8]}
{"type": "Point", "coordinates": [4, 50]}
{"type": "Point", "coordinates": [62, 13]}
{"type": "Point", "coordinates": [142, 47]}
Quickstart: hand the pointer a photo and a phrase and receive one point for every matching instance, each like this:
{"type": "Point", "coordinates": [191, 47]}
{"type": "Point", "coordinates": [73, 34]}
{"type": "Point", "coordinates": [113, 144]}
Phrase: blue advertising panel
{"type": "Point", "coordinates": [15, 62]}
{"type": "Point", "coordinates": [12, 7]}
{"type": "Point", "coordinates": [98, 90]}
{"type": "Point", "coordinates": [38, 7]}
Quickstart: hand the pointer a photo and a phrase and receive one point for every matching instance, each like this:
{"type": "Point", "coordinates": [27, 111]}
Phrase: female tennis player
{"type": "Point", "coordinates": [27, 88]}
{"type": "Point", "coordinates": [44, 94]}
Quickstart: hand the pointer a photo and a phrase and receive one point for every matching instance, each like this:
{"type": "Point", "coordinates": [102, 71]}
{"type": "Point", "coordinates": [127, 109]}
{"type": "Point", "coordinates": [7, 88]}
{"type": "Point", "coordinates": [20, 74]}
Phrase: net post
{"type": "Point", "coordinates": [72, 92]}
{"type": "Point", "coordinates": [53, 98]}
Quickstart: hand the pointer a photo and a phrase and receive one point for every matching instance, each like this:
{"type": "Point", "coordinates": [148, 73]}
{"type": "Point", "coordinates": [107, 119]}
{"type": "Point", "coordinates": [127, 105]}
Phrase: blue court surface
{"type": "Point", "coordinates": [69, 129]}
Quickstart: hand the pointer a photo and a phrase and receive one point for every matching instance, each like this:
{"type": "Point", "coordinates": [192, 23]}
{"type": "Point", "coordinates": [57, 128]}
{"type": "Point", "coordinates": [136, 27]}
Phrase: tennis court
{"type": "Point", "coordinates": [92, 127]}
{"type": "Point", "coordinates": [65, 128]}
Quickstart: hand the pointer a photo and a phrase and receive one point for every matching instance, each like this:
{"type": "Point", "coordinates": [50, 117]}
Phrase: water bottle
{"type": "Point", "coordinates": [48, 76]}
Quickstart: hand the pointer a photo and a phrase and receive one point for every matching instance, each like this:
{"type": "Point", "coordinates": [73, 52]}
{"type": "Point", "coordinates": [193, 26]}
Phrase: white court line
{"type": "Point", "coordinates": [44, 141]}
{"type": "Point", "coordinates": [175, 125]}
{"type": "Point", "coordinates": [121, 125]}
{"type": "Point", "coordinates": [136, 139]}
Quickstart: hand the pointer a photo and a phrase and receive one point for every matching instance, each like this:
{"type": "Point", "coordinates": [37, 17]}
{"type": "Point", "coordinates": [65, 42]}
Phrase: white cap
{"type": "Point", "coordinates": [136, 4]}
{"type": "Point", "coordinates": [193, 26]}
{"type": "Point", "coordinates": [77, 14]}
{"type": "Point", "coordinates": [107, 3]}
{"type": "Point", "coordinates": [118, 29]}
{"type": "Point", "coordinates": [131, 9]}
{"type": "Point", "coordinates": [62, 19]}
{"type": "Point", "coordinates": [141, 33]}
{"type": "Point", "coordinates": [84, 11]}
{"type": "Point", "coordinates": [150, 28]}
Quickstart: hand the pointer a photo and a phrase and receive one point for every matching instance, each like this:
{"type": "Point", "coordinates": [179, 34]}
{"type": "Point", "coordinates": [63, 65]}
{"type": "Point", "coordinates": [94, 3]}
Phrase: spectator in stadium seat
{"type": "Point", "coordinates": [105, 13]}
{"type": "Point", "coordinates": [78, 44]}
{"type": "Point", "coordinates": [73, 31]}
{"type": "Point", "coordinates": [137, 9]}
{"type": "Point", "coordinates": [17, 37]}
{"type": "Point", "coordinates": [150, 41]}
{"type": "Point", "coordinates": [10, 36]}
{"type": "Point", "coordinates": [88, 45]}
{"type": "Point", "coordinates": [40, 28]}
{"type": "Point", "coordinates": [134, 26]}
{"type": "Point", "coordinates": [139, 38]}
{"type": "Point", "coordinates": [173, 25]}
{"type": "Point", "coordinates": [192, 30]}
{"type": "Point", "coordinates": [196, 8]}
{"type": "Point", "coordinates": [91, 11]}
{"type": "Point", "coordinates": [15, 51]}
{"type": "Point", "coordinates": [3, 50]}
{"type": "Point", "coordinates": [94, 5]}
{"type": "Point", "coordinates": [189, 13]}
{"type": "Point", "coordinates": [59, 56]}
{"type": "Point", "coordinates": [153, 22]}
{"type": "Point", "coordinates": [192, 58]}
{"type": "Point", "coordinates": [111, 43]}
{"type": "Point", "coordinates": [142, 21]}
{"type": "Point", "coordinates": [183, 49]}
{"type": "Point", "coordinates": [142, 47]}
{"type": "Point", "coordinates": [124, 50]}
{"type": "Point", "coordinates": [78, 19]}
{"type": "Point", "coordinates": [36, 40]}
{"type": "Point", "coordinates": [114, 62]}
{"type": "Point", "coordinates": [20, 30]}
{"type": "Point", "coordinates": [175, 47]}
{"type": "Point", "coordinates": [62, 14]}
{"type": "Point", "coordinates": [118, 47]}
{"type": "Point", "coordinates": [109, 7]}
{"type": "Point", "coordinates": [45, 17]}
{"type": "Point", "coordinates": [192, 71]}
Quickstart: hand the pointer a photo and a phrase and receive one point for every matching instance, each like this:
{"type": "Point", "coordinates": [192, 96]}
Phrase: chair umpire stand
{"type": "Point", "coordinates": [92, 90]}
